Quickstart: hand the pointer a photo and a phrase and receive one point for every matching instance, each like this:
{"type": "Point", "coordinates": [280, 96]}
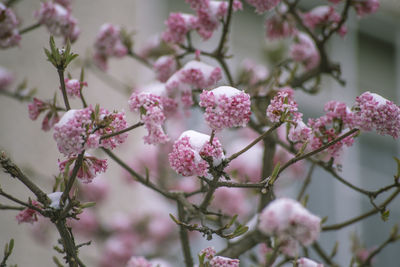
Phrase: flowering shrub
{"type": "Point", "coordinates": [218, 150]}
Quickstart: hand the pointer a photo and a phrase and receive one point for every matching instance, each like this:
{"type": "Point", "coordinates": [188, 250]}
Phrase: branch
{"type": "Point", "coordinates": [250, 240]}
{"type": "Point", "coordinates": [29, 28]}
{"type": "Point", "coordinates": [362, 216]}
{"type": "Point", "coordinates": [122, 131]}
{"type": "Point", "coordinates": [12, 169]}
{"type": "Point", "coordinates": [63, 90]}
{"type": "Point", "coordinates": [71, 180]}
{"type": "Point", "coordinates": [306, 182]}
{"type": "Point", "coordinates": [184, 238]}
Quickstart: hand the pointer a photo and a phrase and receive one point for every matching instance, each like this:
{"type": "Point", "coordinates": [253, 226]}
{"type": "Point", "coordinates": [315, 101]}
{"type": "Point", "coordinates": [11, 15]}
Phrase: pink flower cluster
{"type": "Point", "coordinates": [282, 106]}
{"type": "Point", "coordinates": [108, 44]}
{"type": "Point", "coordinates": [219, 261]}
{"type": "Point", "coordinates": [263, 5]}
{"type": "Point", "coordinates": [189, 152]}
{"type": "Point", "coordinates": [36, 107]}
{"type": "Point", "coordinates": [305, 262]}
{"type": "Point", "coordinates": [299, 132]}
{"type": "Point", "coordinates": [226, 107]}
{"type": "Point", "coordinates": [231, 201]}
{"type": "Point", "coordinates": [9, 35]}
{"type": "Point", "coordinates": [209, 15]}
{"type": "Point", "coordinates": [28, 215]}
{"type": "Point", "coordinates": [73, 87]}
{"type": "Point", "coordinates": [208, 252]}
{"type": "Point", "coordinates": [194, 74]}
{"type": "Point", "coordinates": [6, 78]}
{"type": "Point", "coordinates": [327, 128]}
{"type": "Point", "coordinates": [365, 7]}
{"type": "Point", "coordinates": [58, 19]}
{"type": "Point", "coordinates": [164, 67]}
{"type": "Point", "coordinates": [303, 50]}
{"type": "Point", "coordinates": [152, 115]}
{"type": "Point", "coordinates": [290, 222]}
{"type": "Point", "coordinates": [373, 112]}
{"type": "Point", "coordinates": [90, 168]}
{"type": "Point", "coordinates": [323, 16]}
{"type": "Point", "coordinates": [253, 73]}
{"type": "Point", "coordinates": [77, 130]}
{"type": "Point", "coordinates": [280, 26]}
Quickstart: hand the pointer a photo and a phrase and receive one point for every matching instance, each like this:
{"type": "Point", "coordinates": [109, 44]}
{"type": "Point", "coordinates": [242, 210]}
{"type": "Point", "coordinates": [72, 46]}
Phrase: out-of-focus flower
{"type": "Point", "coordinates": [9, 35]}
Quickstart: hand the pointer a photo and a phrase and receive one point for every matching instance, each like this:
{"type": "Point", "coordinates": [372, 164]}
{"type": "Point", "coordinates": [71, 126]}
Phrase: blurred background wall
{"type": "Point", "coordinates": [370, 57]}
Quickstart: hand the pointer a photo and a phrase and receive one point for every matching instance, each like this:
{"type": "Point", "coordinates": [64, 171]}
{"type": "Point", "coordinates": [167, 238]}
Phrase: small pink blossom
{"type": "Point", "coordinates": [299, 132]}
{"type": "Point", "coordinates": [282, 106]}
{"type": "Point", "coordinates": [28, 215]}
{"type": "Point", "coordinates": [73, 87]}
{"type": "Point", "coordinates": [178, 25]}
{"type": "Point", "coordinates": [263, 5]}
{"type": "Point", "coordinates": [58, 20]}
{"type": "Point", "coordinates": [280, 27]}
{"type": "Point", "coordinates": [373, 112]}
{"type": "Point", "coordinates": [152, 114]}
{"type": "Point", "coordinates": [108, 44]}
{"type": "Point", "coordinates": [189, 151]}
{"type": "Point", "coordinates": [366, 7]}
{"type": "Point", "coordinates": [289, 220]}
{"type": "Point", "coordinates": [9, 35]}
{"type": "Point", "coordinates": [305, 51]}
{"type": "Point", "coordinates": [226, 107]}
{"type": "Point", "coordinates": [320, 16]}
{"type": "Point", "coordinates": [231, 201]}
{"type": "Point", "coordinates": [36, 107]}
{"type": "Point", "coordinates": [219, 261]}
{"type": "Point", "coordinates": [6, 78]}
{"type": "Point", "coordinates": [209, 252]}
{"type": "Point", "coordinates": [253, 73]}
{"type": "Point", "coordinates": [164, 67]}
{"type": "Point", "coordinates": [91, 166]}
{"type": "Point", "coordinates": [138, 262]}
{"type": "Point", "coordinates": [304, 262]}
{"type": "Point", "coordinates": [118, 250]}
{"type": "Point", "coordinates": [95, 191]}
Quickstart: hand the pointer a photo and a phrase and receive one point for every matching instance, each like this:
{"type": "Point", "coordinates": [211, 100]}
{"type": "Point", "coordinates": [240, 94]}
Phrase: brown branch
{"type": "Point", "coordinates": [250, 240]}
{"type": "Point", "coordinates": [183, 235]}
{"type": "Point", "coordinates": [122, 131]}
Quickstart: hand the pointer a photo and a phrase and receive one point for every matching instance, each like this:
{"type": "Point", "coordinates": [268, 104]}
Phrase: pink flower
{"type": "Point", "coordinates": [372, 111]}
{"type": "Point", "coordinates": [138, 262]}
{"type": "Point", "coordinates": [9, 35]}
{"type": "Point", "coordinates": [118, 250]}
{"type": "Point", "coordinates": [288, 220]}
{"type": "Point", "coordinates": [321, 16]}
{"type": "Point", "coordinates": [231, 201]}
{"type": "Point", "coordinates": [96, 191]}
{"type": "Point", "coordinates": [305, 51]}
{"type": "Point", "coordinates": [299, 132]}
{"type": "Point", "coordinates": [28, 215]}
{"type": "Point", "coordinates": [365, 7]}
{"type": "Point", "coordinates": [152, 114]}
{"type": "Point", "coordinates": [36, 107]}
{"type": "Point", "coordinates": [253, 73]}
{"type": "Point", "coordinates": [108, 44]}
{"type": "Point", "coordinates": [219, 261]}
{"type": "Point", "coordinates": [77, 130]}
{"type": "Point", "coordinates": [73, 87]}
{"type": "Point", "coordinates": [263, 5]}
{"type": "Point", "coordinates": [304, 262]}
{"type": "Point", "coordinates": [280, 27]}
{"type": "Point", "coordinates": [209, 252]}
{"type": "Point", "coordinates": [6, 78]}
{"type": "Point", "coordinates": [164, 67]}
{"type": "Point", "coordinates": [58, 20]}
{"type": "Point", "coordinates": [226, 107]}
{"type": "Point", "coordinates": [91, 166]}
{"type": "Point", "coordinates": [282, 106]}
{"type": "Point", "coordinates": [178, 25]}
{"type": "Point", "coordinates": [189, 151]}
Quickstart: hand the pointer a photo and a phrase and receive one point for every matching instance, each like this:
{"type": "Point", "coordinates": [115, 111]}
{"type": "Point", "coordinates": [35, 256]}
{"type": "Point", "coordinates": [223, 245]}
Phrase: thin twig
{"type": "Point", "coordinates": [29, 28]}
{"type": "Point", "coordinates": [122, 131]}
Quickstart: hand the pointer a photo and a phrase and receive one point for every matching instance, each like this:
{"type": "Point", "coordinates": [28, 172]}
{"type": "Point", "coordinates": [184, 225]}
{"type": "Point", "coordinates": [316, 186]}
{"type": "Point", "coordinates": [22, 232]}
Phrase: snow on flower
{"type": "Point", "coordinates": [253, 73]}
{"type": "Point", "coordinates": [58, 20]}
{"type": "Point", "coordinates": [373, 112]}
{"type": "Point", "coordinates": [305, 262]}
{"type": "Point", "coordinates": [164, 67]}
{"type": "Point", "coordinates": [9, 35]}
{"type": "Point", "coordinates": [226, 107]}
{"type": "Point", "coordinates": [290, 222]}
{"type": "Point", "coordinates": [263, 5]}
{"type": "Point", "coordinates": [189, 151]}
{"type": "Point", "coordinates": [178, 25]}
{"type": "Point", "coordinates": [55, 199]}
{"type": "Point", "coordinates": [152, 115]}
{"type": "Point", "coordinates": [108, 44]}
{"type": "Point", "coordinates": [138, 262]}
{"type": "Point", "coordinates": [6, 78]}
{"type": "Point", "coordinates": [325, 16]}
{"type": "Point", "coordinates": [77, 131]}
{"type": "Point", "coordinates": [194, 74]}
{"type": "Point", "coordinates": [303, 50]}
{"type": "Point", "coordinates": [282, 106]}
{"type": "Point", "coordinates": [299, 132]}
{"type": "Point", "coordinates": [279, 26]}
